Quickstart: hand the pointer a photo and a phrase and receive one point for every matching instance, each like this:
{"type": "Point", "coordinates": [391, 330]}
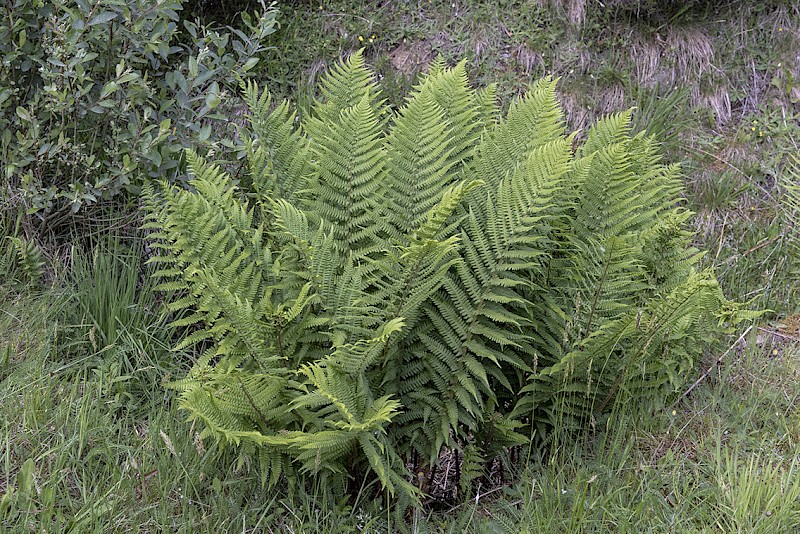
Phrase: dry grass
{"type": "Point", "coordinates": [411, 57]}
{"type": "Point", "coordinates": [529, 62]}
{"type": "Point", "coordinates": [576, 112]}
{"type": "Point", "coordinates": [697, 54]}
{"type": "Point", "coordinates": [646, 54]}
{"type": "Point", "coordinates": [692, 50]}
{"type": "Point", "coordinates": [576, 11]}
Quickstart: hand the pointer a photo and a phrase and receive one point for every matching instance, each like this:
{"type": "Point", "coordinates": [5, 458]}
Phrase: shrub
{"type": "Point", "coordinates": [388, 284]}
{"type": "Point", "coordinates": [96, 94]}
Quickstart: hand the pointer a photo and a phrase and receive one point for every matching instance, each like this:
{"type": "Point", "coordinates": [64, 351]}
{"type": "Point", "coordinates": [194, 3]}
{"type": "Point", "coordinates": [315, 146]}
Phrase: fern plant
{"type": "Point", "coordinates": [386, 284]}
{"type": "Point", "coordinates": [23, 258]}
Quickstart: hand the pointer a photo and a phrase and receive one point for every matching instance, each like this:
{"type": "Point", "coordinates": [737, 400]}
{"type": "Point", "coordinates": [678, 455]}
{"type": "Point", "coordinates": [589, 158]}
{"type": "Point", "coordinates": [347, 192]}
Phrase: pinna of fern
{"type": "Point", "coordinates": [386, 283]}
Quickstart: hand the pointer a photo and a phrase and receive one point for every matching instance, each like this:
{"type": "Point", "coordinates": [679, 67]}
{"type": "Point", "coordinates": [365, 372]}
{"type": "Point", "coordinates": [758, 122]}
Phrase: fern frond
{"type": "Point", "coordinates": [419, 159]}
{"type": "Point", "coordinates": [460, 106]}
{"type": "Point", "coordinates": [349, 176]}
{"type": "Point", "coordinates": [532, 121]}
{"type": "Point", "coordinates": [609, 130]}
{"type": "Point", "coordinates": [278, 151]}
{"type": "Point", "coordinates": [30, 259]}
{"type": "Point", "coordinates": [344, 86]}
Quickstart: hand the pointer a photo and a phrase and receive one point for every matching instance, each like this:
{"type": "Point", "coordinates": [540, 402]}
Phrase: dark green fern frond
{"type": "Point", "coordinates": [668, 257]}
{"type": "Point", "coordinates": [607, 278]}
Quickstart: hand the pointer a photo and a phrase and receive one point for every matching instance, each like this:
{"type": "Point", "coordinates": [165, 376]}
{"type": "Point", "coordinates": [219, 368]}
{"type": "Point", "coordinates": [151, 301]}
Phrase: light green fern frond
{"type": "Point", "coordinates": [277, 150]}
{"type": "Point", "coordinates": [419, 160]}
{"type": "Point", "coordinates": [609, 130]}
{"type": "Point", "coordinates": [461, 108]}
{"type": "Point", "coordinates": [346, 189]}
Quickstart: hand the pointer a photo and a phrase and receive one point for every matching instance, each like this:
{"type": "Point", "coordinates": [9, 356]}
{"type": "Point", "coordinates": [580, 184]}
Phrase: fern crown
{"type": "Point", "coordinates": [385, 284]}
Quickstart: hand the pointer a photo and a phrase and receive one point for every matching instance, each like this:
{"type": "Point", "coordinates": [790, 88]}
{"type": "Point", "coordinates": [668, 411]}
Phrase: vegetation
{"type": "Point", "coordinates": [459, 350]}
{"type": "Point", "coordinates": [394, 284]}
{"type": "Point", "coordinates": [97, 96]}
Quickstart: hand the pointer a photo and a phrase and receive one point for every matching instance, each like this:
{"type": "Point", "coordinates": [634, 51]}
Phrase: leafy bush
{"type": "Point", "coordinates": [385, 285]}
{"type": "Point", "coordinates": [95, 94]}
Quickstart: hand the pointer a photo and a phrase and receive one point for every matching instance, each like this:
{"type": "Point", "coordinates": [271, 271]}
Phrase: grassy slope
{"type": "Point", "coordinates": [90, 445]}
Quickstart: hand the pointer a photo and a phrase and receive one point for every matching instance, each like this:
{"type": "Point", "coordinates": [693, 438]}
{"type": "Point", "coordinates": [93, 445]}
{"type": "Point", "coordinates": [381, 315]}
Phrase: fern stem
{"type": "Point", "coordinates": [251, 401]}
{"type": "Point", "coordinates": [596, 297]}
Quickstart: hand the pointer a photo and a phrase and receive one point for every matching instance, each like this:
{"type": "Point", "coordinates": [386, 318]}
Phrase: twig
{"type": "Point", "coordinates": [478, 497]}
{"type": "Point", "coordinates": [711, 368]}
{"type": "Point", "coordinates": [779, 334]}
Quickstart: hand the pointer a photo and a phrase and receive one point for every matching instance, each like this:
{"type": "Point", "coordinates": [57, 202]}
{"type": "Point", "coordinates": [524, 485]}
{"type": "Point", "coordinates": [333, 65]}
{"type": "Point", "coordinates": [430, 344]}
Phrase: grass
{"type": "Point", "coordinates": [88, 449]}
{"type": "Point", "coordinates": [723, 460]}
{"type": "Point", "coordinates": [92, 441]}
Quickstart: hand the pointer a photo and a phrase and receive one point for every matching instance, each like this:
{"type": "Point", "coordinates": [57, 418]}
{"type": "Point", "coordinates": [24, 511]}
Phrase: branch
{"type": "Point", "coordinates": [711, 368]}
